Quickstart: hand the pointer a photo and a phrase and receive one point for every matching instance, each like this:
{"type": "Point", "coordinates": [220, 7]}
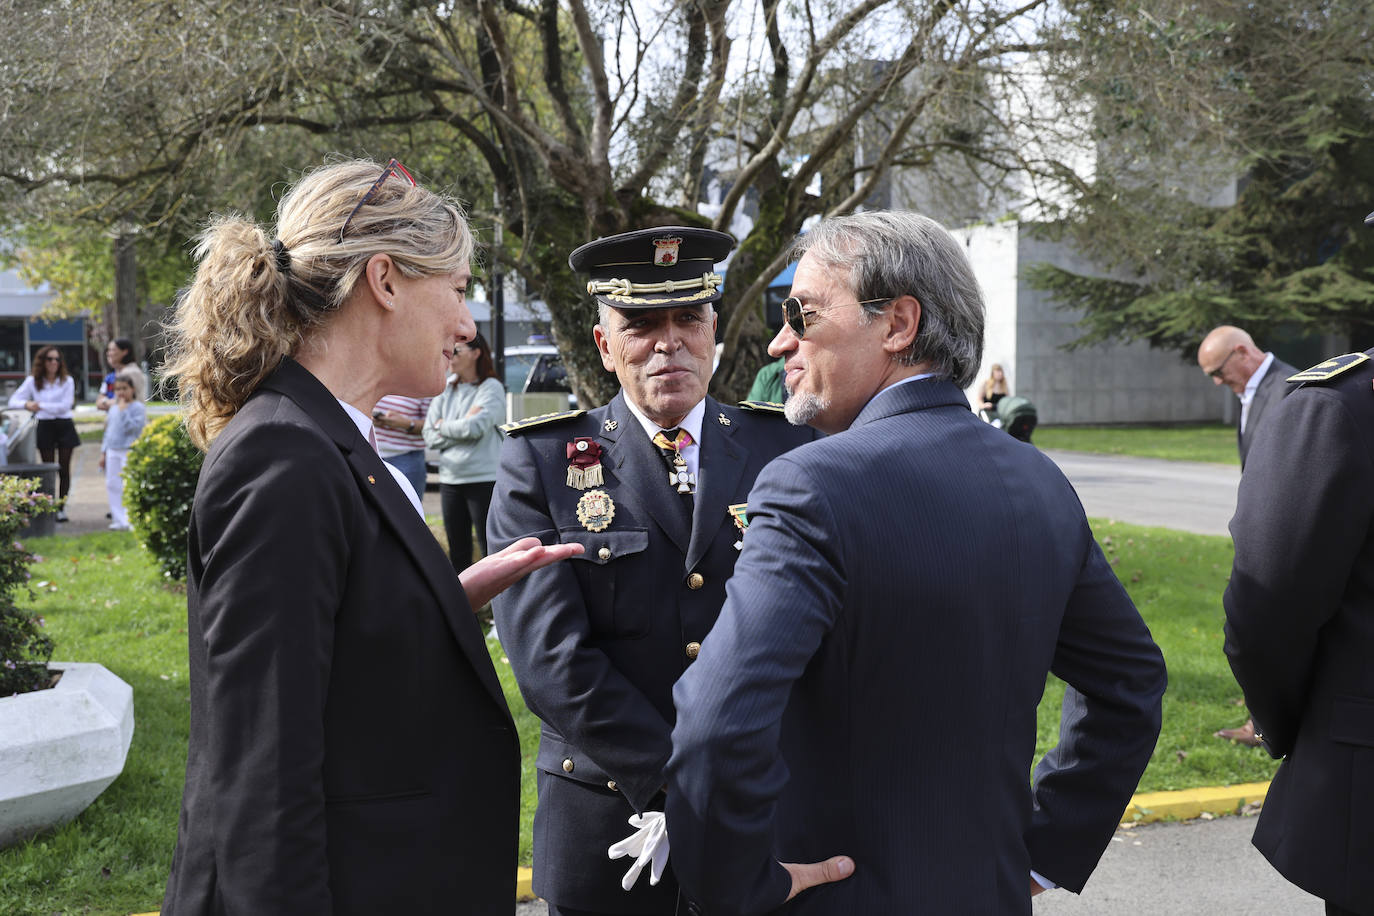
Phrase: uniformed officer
{"type": "Point", "coordinates": [1300, 627]}
{"type": "Point", "coordinates": [654, 485]}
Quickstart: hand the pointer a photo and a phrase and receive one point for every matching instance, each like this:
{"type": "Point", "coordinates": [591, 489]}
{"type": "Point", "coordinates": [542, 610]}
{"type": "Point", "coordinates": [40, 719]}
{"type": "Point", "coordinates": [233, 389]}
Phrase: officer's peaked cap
{"type": "Point", "coordinates": [654, 268]}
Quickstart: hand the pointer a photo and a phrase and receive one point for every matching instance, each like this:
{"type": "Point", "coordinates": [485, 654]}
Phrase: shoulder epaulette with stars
{"type": "Point", "coordinates": [1329, 369]}
{"type": "Point", "coordinates": [543, 419]}
{"type": "Point", "coordinates": [762, 406]}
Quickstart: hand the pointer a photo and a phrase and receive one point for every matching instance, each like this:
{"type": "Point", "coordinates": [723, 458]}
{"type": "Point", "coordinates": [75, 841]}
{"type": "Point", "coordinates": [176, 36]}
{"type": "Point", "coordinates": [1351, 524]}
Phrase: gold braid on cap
{"type": "Point", "coordinates": [624, 289]}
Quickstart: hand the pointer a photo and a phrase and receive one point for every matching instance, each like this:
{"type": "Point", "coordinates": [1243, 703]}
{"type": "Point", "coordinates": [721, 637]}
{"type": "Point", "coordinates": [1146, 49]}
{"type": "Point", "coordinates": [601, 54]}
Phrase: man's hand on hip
{"type": "Point", "coordinates": [835, 868]}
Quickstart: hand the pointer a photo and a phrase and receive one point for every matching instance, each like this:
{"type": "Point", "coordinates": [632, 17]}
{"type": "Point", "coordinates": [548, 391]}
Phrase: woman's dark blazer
{"type": "Point", "coordinates": [351, 750]}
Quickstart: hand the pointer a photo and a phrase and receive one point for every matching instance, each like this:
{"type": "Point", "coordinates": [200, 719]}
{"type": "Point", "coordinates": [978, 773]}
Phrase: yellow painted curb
{"type": "Point", "coordinates": [1190, 803]}
{"type": "Point", "coordinates": [523, 887]}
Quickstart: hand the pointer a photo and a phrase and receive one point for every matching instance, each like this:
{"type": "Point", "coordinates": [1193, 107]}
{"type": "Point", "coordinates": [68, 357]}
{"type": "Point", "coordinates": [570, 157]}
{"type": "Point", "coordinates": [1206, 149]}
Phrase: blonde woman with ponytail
{"type": "Point", "coordinates": [350, 748]}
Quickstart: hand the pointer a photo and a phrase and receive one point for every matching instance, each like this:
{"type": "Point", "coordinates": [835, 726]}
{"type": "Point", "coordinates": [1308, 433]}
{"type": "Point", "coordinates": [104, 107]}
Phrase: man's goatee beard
{"type": "Point", "coordinates": [801, 409]}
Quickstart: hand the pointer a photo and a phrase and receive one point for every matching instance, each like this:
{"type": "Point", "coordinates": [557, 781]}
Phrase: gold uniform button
{"type": "Point", "coordinates": [611, 785]}
{"type": "Point", "coordinates": [568, 765]}
{"type": "Point", "coordinates": [693, 649]}
{"type": "Point", "coordinates": [695, 581]}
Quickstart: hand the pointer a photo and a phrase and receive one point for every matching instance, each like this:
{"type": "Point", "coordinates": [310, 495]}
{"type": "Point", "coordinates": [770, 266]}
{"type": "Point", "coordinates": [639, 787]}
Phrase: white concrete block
{"type": "Point", "coordinates": [60, 748]}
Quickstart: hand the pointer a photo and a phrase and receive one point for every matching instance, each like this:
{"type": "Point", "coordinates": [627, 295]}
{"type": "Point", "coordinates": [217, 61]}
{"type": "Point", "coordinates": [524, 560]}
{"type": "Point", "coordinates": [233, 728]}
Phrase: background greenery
{"type": "Point", "coordinates": [105, 600]}
{"type": "Point", "coordinates": [1214, 442]}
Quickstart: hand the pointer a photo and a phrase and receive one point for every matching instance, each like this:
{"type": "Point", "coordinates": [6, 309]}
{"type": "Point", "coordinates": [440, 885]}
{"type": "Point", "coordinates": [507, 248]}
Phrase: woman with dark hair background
{"type": "Point", "coordinates": [119, 353]}
{"type": "Point", "coordinates": [49, 392]}
{"type": "Point", "coordinates": [462, 424]}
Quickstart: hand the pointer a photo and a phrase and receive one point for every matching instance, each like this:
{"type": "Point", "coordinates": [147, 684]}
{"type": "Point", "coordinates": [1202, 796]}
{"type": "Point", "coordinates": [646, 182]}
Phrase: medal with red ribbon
{"type": "Point", "coordinates": [584, 463]}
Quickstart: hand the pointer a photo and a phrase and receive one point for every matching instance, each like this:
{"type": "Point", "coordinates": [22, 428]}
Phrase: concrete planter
{"type": "Point", "coordinates": [60, 748]}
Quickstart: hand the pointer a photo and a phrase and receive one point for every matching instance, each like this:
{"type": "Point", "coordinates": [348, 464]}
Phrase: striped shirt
{"type": "Point", "coordinates": [397, 441]}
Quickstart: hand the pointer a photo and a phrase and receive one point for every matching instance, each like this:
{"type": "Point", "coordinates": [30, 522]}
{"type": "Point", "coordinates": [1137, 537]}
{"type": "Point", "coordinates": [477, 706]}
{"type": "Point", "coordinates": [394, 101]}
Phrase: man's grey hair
{"type": "Point", "coordinates": [891, 253]}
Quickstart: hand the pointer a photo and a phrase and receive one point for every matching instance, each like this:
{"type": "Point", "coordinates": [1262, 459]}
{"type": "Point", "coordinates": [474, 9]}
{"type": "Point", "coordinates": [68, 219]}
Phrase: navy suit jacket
{"type": "Point", "coordinates": [1271, 389]}
{"type": "Point", "coordinates": [1300, 631]}
{"type": "Point", "coordinates": [871, 688]}
{"type": "Point", "coordinates": [351, 750]}
{"type": "Point", "coordinates": [597, 642]}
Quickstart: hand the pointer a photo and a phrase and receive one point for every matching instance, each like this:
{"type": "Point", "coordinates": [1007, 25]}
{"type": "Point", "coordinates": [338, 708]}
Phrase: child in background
{"type": "Point", "coordinates": [125, 422]}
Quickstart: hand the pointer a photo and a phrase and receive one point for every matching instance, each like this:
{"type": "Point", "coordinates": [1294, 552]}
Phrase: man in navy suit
{"type": "Point", "coordinates": [1260, 379]}
{"type": "Point", "coordinates": [596, 647]}
{"type": "Point", "coordinates": [868, 690]}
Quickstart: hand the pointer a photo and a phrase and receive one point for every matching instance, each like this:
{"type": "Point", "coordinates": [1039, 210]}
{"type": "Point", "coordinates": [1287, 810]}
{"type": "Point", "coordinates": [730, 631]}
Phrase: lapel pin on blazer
{"type": "Point", "coordinates": [371, 479]}
{"type": "Point", "coordinates": [724, 420]}
{"type": "Point", "coordinates": [610, 426]}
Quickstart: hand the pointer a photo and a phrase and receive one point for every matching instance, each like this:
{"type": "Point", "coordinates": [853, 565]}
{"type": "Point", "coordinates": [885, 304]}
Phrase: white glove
{"type": "Point", "coordinates": [648, 843]}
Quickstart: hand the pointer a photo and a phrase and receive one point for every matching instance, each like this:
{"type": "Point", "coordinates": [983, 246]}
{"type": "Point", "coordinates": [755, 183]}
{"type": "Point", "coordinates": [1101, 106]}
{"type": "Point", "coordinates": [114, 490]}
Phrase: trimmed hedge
{"type": "Point", "coordinates": [159, 484]}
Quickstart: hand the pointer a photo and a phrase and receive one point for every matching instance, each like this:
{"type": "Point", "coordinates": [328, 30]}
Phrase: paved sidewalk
{"type": "Point", "coordinates": [1186, 495]}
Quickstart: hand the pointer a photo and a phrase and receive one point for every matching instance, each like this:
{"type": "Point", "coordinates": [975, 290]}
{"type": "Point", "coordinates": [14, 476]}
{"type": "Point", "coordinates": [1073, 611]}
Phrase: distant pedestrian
{"type": "Point", "coordinates": [994, 388]}
{"type": "Point", "coordinates": [1258, 378]}
{"type": "Point", "coordinates": [462, 425]}
{"type": "Point", "coordinates": [400, 423]}
{"type": "Point", "coordinates": [119, 353]}
{"type": "Point", "coordinates": [49, 393]}
{"type": "Point", "coordinates": [125, 422]}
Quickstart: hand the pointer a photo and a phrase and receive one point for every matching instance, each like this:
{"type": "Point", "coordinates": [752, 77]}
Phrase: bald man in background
{"type": "Point", "coordinates": [1229, 356]}
{"type": "Point", "coordinates": [1258, 378]}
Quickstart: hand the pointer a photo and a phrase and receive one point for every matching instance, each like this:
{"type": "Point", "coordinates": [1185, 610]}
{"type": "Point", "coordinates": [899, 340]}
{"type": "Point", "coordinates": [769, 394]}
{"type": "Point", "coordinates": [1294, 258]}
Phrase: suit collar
{"type": "Point", "coordinates": [294, 381]}
{"type": "Point", "coordinates": [919, 395]}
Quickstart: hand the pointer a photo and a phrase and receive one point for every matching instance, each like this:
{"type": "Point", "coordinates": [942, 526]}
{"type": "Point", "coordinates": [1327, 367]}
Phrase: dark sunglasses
{"type": "Point", "coordinates": [1216, 373]}
{"type": "Point", "coordinates": [392, 168]}
{"type": "Point", "coordinates": [798, 317]}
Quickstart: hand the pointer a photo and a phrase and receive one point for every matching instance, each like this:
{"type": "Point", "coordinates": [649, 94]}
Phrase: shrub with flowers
{"type": "Point", "coordinates": [24, 648]}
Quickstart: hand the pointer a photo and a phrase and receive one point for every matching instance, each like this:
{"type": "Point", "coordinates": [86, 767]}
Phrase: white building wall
{"type": "Point", "coordinates": [992, 251]}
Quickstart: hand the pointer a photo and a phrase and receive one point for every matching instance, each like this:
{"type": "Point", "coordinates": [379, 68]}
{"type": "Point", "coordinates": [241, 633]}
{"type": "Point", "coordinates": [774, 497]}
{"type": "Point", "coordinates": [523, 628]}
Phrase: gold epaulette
{"type": "Point", "coordinates": [763, 406]}
{"type": "Point", "coordinates": [543, 419]}
{"type": "Point", "coordinates": [1329, 369]}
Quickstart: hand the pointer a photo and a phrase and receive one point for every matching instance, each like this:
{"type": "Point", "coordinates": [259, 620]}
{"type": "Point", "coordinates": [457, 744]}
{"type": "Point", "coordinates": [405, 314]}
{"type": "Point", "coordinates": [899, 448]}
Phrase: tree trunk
{"type": "Point", "coordinates": [123, 318]}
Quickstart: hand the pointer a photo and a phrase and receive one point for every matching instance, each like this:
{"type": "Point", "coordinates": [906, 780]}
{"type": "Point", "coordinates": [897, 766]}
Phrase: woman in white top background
{"type": "Point", "coordinates": [49, 394]}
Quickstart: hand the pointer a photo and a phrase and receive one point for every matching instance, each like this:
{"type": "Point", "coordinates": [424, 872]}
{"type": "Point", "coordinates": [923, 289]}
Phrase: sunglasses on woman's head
{"type": "Point", "coordinates": [798, 316]}
{"type": "Point", "coordinates": [392, 168]}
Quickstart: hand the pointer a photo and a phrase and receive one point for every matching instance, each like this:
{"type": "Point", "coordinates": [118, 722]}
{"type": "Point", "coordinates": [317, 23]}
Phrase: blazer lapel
{"type": "Point", "coordinates": [374, 480]}
{"type": "Point", "coordinates": [420, 542]}
{"type": "Point", "coordinates": [638, 464]}
{"type": "Point", "coordinates": [721, 459]}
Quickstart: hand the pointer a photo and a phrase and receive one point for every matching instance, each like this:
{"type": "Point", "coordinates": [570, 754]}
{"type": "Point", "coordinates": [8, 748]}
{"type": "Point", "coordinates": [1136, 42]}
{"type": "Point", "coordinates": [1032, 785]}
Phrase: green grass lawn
{"type": "Point", "coordinates": [103, 601]}
{"type": "Point", "coordinates": [1213, 442]}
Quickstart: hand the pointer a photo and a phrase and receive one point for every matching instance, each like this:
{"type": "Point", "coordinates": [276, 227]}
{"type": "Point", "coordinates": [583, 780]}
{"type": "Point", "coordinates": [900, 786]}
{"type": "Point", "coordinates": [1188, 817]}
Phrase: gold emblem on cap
{"type": "Point", "coordinates": [595, 510]}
